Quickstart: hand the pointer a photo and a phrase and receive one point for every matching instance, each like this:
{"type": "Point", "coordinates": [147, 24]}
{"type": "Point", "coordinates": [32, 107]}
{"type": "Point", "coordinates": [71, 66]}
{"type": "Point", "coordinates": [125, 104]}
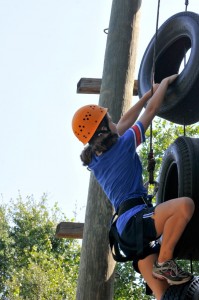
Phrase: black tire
{"type": "Point", "coordinates": [179, 176]}
{"type": "Point", "coordinates": [175, 37]}
{"type": "Point", "coordinates": [187, 291]}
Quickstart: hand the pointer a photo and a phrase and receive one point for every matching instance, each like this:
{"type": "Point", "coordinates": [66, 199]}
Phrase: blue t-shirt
{"type": "Point", "coordinates": [119, 171]}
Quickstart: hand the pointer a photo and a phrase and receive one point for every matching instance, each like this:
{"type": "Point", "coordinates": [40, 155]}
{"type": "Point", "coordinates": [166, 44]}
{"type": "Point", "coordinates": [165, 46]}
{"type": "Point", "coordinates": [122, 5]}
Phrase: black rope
{"type": "Point", "coordinates": [151, 166]}
{"type": "Point", "coordinates": [186, 4]}
{"type": "Point", "coordinates": [155, 44]}
{"type": "Point", "coordinates": [151, 160]}
{"type": "Point", "coordinates": [191, 264]}
{"type": "Point", "coordinates": [185, 58]}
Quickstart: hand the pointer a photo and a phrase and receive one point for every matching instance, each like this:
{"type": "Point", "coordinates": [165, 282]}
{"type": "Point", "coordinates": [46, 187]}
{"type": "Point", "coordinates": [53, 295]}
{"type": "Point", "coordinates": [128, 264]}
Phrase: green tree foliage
{"type": "Point", "coordinates": [128, 283]}
{"type": "Point", "coordinates": [34, 264]}
{"type": "Point", "coordinates": [6, 252]}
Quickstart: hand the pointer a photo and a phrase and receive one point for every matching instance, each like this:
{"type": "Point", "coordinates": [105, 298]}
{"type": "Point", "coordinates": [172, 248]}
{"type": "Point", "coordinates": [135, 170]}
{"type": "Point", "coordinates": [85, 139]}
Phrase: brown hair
{"type": "Point", "coordinates": [99, 142]}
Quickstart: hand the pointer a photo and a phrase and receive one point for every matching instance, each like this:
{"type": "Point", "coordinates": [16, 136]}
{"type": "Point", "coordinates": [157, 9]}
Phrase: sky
{"type": "Point", "coordinates": [47, 46]}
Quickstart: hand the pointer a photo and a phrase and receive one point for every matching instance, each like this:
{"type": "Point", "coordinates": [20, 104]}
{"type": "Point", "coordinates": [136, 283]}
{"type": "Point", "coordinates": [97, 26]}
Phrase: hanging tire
{"type": "Point", "coordinates": [175, 37]}
{"type": "Point", "coordinates": [179, 176]}
{"type": "Point", "coordinates": [187, 291]}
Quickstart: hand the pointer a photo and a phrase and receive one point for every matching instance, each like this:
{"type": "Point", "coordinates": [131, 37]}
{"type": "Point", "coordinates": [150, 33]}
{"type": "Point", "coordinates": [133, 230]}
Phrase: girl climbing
{"type": "Point", "coordinates": [111, 156]}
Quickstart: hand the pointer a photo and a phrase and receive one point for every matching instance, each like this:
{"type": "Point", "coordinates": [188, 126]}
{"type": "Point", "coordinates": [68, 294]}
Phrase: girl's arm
{"type": "Point", "coordinates": [155, 102]}
{"type": "Point", "coordinates": [129, 118]}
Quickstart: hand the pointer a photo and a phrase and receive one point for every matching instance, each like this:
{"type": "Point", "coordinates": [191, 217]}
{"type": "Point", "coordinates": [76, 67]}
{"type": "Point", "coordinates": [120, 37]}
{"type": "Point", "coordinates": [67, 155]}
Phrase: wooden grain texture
{"type": "Point", "coordinates": [70, 230]}
{"type": "Point", "coordinates": [93, 86]}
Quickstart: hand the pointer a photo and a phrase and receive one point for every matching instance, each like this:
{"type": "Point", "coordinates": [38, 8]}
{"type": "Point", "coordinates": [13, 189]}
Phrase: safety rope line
{"type": "Point", "coordinates": [151, 160]}
{"type": "Point", "coordinates": [185, 60]}
{"type": "Point", "coordinates": [186, 4]}
{"type": "Point", "coordinates": [155, 45]}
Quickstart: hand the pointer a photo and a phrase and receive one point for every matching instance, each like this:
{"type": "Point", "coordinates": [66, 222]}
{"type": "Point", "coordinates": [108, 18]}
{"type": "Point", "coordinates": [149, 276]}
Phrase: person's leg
{"type": "Point", "coordinates": [158, 286]}
{"type": "Point", "coordinates": [171, 218]}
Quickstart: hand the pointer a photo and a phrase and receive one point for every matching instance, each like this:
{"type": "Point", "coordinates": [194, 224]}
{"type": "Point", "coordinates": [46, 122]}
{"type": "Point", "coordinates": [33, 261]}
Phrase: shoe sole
{"type": "Point", "coordinates": [171, 282]}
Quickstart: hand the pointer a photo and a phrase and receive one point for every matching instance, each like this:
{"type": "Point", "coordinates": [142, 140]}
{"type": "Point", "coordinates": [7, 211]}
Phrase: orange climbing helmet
{"type": "Point", "coordinates": [86, 120]}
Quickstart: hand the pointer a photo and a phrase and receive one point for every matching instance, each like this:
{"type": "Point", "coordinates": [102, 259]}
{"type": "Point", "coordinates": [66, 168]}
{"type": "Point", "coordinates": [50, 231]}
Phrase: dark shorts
{"type": "Point", "coordinates": [150, 244]}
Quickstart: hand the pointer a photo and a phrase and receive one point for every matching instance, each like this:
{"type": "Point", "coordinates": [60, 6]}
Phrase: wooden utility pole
{"type": "Point", "coordinates": [96, 272]}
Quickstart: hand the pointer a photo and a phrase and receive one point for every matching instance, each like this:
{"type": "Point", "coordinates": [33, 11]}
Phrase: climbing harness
{"type": "Point", "coordinates": [117, 243]}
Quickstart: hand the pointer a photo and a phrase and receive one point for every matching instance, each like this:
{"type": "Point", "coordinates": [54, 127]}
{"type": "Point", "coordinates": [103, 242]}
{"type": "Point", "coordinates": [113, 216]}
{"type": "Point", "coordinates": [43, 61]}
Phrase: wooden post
{"type": "Point", "coordinates": [96, 272]}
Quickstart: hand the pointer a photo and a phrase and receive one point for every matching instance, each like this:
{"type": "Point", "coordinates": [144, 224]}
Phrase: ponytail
{"type": "Point", "coordinates": [99, 143]}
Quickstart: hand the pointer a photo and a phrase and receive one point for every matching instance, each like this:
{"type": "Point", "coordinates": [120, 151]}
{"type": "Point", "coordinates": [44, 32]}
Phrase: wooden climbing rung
{"type": "Point", "coordinates": [93, 85]}
{"type": "Point", "coordinates": [69, 230]}
{"type": "Point", "coordinates": [89, 86]}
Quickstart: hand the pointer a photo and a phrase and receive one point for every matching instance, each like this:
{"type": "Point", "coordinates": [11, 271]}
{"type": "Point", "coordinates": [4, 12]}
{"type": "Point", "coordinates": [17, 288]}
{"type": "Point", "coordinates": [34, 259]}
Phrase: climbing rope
{"type": "Point", "coordinates": [155, 44]}
{"type": "Point", "coordinates": [186, 4]}
{"type": "Point", "coordinates": [185, 61]}
{"type": "Point", "coordinates": [151, 159]}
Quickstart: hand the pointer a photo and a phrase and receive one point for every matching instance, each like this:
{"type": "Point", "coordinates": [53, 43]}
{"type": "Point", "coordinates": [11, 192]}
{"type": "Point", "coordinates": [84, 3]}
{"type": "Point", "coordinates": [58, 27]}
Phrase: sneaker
{"type": "Point", "coordinates": [170, 271]}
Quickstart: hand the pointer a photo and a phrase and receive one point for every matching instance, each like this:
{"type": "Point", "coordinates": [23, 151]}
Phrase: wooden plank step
{"type": "Point", "coordinates": [69, 230]}
{"type": "Point", "coordinates": [93, 85]}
